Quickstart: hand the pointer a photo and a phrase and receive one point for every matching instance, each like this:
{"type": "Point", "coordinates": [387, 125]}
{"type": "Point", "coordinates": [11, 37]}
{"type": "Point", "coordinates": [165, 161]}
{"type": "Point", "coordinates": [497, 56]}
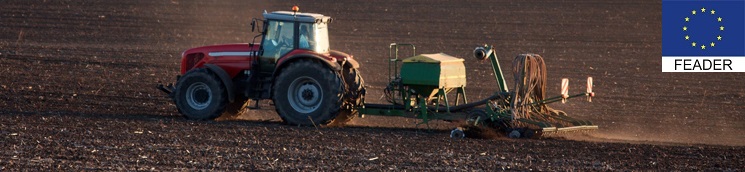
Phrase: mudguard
{"type": "Point", "coordinates": [226, 80]}
{"type": "Point", "coordinates": [354, 63]}
{"type": "Point", "coordinates": [330, 64]}
{"type": "Point", "coordinates": [347, 57]}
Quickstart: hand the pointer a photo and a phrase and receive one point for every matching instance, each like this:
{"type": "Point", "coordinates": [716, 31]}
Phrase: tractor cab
{"type": "Point", "coordinates": [285, 31]}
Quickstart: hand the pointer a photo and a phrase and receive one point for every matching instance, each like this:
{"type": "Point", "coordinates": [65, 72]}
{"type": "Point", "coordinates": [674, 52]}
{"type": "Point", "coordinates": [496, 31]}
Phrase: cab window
{"type": "Point", "coordinates": [279, 39]}
{"type": "Point", "coordinates": [313, 36]}
{"type": "Point", "coordinates": [306, 39]}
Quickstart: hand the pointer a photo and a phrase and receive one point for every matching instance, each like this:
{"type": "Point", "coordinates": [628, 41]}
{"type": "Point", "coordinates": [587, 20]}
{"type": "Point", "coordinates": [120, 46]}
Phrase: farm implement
{"type": "Point", "coordinates": [310, 84]}
{"type": "Point", "coordinates": [420, 89]}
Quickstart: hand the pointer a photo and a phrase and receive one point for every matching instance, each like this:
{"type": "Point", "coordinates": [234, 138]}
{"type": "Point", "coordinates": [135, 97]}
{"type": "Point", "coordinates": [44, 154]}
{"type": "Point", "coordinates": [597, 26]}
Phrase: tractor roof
{"type": "Point", "coordinates": [301, 17]}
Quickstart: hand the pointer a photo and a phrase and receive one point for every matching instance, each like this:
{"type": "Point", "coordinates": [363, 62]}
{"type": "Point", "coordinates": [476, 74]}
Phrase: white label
{"type": "Point", "coordinates": [703, 64]}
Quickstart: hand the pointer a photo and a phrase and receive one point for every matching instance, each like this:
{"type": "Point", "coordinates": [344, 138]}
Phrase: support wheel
{"type": "Point", "coordinates": [477, 117]}
{"type": "Point", "coordinates": [457, 133]}
{"type": "Point", "coordinates": [514, 134]}
{"type": "Point", "coordinates": [200, 95]}
{"type": "Point", "coordinates": [522, 133]}
{"type": "Point", "coordinates": [307, 93]}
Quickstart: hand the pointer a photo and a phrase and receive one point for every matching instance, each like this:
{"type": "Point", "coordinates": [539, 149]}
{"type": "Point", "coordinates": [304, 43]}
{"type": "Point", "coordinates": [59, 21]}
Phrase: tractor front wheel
{"type": "Point", "coordinates": [200, 95]}
{"type": "Point", "coordinates": [307, 93]}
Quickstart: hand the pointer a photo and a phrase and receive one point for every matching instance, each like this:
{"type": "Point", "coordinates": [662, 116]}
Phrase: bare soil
{"type": "Point", "coordinates": [77, 89]}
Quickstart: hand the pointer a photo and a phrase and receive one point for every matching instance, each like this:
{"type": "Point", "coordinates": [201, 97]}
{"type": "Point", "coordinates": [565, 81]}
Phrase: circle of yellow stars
{"type": "Point", "coordinates": [703, 12]}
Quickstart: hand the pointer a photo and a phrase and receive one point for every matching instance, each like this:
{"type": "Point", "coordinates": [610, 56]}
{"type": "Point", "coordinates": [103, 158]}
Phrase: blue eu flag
{"type": "Point", "coordinates": [703, 28]}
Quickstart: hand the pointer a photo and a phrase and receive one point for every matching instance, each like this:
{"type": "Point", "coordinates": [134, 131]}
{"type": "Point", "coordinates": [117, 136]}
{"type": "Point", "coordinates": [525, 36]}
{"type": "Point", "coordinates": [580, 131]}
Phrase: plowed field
{"type": "Point", "coordinates": [77, 89]}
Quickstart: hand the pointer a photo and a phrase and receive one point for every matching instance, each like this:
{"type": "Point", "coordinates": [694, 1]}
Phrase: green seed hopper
{"type": "Point", "coordinates": [435, 75]}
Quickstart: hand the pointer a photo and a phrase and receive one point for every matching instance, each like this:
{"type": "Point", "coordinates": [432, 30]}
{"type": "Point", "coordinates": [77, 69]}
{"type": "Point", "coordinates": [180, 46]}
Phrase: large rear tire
{"type": "Point", "coordinates": [353, 97]}
{"type": "Point", "coordinates": [307, 93]}
{"type": "Point", "coordinates": [200, 95]}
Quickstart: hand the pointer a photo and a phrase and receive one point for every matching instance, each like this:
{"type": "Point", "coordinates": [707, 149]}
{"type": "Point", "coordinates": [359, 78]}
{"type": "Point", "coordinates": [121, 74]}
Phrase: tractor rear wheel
{"type": "Point", "coordinates": [353, 97]}
{"type": "Point", "coordinates": [308, 93]}
{"type": "Point", "coordinates": [200, 95]}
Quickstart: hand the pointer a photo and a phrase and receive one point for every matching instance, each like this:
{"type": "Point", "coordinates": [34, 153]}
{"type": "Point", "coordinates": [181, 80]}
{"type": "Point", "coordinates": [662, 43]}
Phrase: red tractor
{"type": "Point", "coordinates": [309, 83]}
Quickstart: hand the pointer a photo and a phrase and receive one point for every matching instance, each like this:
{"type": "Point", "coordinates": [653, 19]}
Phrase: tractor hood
{"type": "Point", "coordinates": [196, 57]}
{"type": "Point", "coordinates": [216, 50]}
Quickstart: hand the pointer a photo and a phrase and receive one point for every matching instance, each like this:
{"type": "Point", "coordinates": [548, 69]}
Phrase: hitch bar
{"type": "Point", "coordinates": [168, 89]}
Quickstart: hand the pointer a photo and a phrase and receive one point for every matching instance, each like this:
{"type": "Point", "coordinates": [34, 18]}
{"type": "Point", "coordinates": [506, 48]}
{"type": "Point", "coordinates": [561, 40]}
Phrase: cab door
{"type": "Point", "coordinates": [279, 40]}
